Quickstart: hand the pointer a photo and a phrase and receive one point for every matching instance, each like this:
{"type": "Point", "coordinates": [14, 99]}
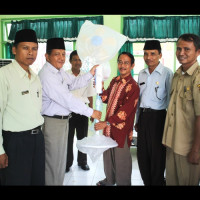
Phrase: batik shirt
{"type": "Point", "coordinates": [121, 97]}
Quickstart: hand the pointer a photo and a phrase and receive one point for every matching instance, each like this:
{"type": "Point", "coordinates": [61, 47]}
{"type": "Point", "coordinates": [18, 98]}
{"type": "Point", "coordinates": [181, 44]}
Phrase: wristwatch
{"type": "Point", "coordinates": [107, 123]}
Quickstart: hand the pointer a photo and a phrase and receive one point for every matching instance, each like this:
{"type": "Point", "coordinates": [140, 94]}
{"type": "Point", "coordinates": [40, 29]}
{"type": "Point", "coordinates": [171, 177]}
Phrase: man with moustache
{"type": "Point", "coordinates": [22, 154]}
{"type": "Point", "coordinates": [154, 83]}
{"type": "Point", "coordinates": [121, 98]}
{"type": "Point", "coordinates": [182, 127]}
{"type": "Point", "coordinates": [57, 104]}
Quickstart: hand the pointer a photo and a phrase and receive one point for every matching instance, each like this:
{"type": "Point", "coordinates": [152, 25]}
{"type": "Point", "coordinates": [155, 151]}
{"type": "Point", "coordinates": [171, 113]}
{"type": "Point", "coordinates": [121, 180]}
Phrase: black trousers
{"type": "Point", "coordinates": [151, 153]}
{"type": "Point", "coordinates": [26, 158]}
{"type": "Point", "coordinates": [78, 123]}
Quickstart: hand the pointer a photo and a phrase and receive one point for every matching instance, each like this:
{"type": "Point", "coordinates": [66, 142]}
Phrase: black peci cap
{"type": "Point", "coordinates": [152, 44]}
{"type": "Point", "coordinates": [25, 35]}
{"type": "Point", "coordinates": [55, 43]}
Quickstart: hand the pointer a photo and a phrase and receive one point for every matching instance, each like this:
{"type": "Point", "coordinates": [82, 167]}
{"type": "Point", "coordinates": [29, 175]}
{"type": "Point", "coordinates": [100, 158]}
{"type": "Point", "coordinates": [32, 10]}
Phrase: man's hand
{"type": "Point", "coordinates": [193, 157]}
{"type": "Point", "coordinates": [100, 125]}
{"type": "Point", "coordinates": [3, 161]}
{"type": "Point", "coordinates": [93, 70]}
{"type": "Point", "coordinates": [96, 114]}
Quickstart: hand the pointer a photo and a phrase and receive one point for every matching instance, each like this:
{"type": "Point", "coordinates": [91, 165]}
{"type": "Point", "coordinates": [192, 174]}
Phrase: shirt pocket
{"type": "Point", "coordinates": [159, 93]}
{"type": "Point", "coordinates": [36, 97]}
{"type": "Point", "coordinates": [187, 98]}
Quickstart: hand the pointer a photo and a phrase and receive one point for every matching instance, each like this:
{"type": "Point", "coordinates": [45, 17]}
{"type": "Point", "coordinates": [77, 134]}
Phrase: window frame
{"type": "Point", "coordinates": [145, 65]}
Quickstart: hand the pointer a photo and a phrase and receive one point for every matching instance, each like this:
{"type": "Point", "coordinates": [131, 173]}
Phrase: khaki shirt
{"type": "Point", "coordinates": [20, 100]}
{"type": "Point", "coordinates": [183, 108]}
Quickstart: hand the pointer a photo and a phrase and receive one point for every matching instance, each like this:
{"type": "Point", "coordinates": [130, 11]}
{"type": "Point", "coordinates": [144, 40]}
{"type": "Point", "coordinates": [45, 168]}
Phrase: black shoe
{"type": "Point", "coordinates": [84, 167]}
{"type": "Point", "coordinates": [67, 169]}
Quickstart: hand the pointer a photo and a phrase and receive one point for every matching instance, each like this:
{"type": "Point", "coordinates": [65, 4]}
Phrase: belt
{"type": "Point", "coordinates": [32, 131]}
{"type": "Point", "coordinates": [59, 116]}
{"type": "Point", "coordinates": [35, 130]}
{"type": "Point", "coordinates": [150, 110]}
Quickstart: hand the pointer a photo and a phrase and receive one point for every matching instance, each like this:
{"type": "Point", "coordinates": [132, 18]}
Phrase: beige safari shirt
{"type": "Point", "coordinates": [20, 100]}
{"type": "Point", "coordinates": [183, 108]}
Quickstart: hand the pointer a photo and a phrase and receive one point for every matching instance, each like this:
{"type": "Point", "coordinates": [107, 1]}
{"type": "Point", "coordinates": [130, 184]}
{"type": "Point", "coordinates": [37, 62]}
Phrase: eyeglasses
{"type": "Point", "coordinates": [121, 62]}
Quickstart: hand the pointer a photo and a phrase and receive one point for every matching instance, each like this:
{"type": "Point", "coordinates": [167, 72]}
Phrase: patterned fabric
{"type": "Point", "coordinates": [121, 97]}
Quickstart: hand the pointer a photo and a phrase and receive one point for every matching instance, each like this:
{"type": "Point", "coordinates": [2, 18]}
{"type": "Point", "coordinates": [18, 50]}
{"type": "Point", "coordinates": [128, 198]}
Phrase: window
{"type": "Point", "coordinates": [168, 57]}
{"type": "Point", "coordinates": [46, 27]}
{"type": "Point", "coordinates": [40, 60]}
{"type": "Point", "coordinates": [6, 31]}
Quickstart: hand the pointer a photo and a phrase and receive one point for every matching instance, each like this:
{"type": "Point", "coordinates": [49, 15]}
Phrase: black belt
{"type": "Point", "coordinates": [32, 131]}
{"type": "Point", "coordinates": [58, 116]}
{"type": "Point", "coordinates": [150, 110]}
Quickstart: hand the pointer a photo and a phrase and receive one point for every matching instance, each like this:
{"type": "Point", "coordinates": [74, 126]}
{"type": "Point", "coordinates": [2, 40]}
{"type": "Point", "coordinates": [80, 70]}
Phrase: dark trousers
{"type": "Point", "coordinates": [151, 153]}
{"type": "Point", "coordinates": [26, 158]}
{"type": "Point", "coordinates": [78, 123]}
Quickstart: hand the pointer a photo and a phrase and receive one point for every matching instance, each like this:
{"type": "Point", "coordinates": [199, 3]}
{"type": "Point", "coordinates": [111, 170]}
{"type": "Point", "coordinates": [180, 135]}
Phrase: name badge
{"type": "Point", "coordinates": [25, 92]}
{"type": "Point", "coordinates": [186, 88]}
{"type": "Point", "coordinates": [198, 86]}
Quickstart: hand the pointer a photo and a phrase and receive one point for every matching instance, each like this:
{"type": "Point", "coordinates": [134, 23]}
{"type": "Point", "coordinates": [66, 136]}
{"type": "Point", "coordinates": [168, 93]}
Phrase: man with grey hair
{"type": "Point", "coordinates": [57, 104]}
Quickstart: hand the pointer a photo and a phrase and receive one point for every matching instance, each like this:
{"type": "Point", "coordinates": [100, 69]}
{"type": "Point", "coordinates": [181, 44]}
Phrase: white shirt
{"type": "Point", "coordinates": [20, 100]}
{"type": "Point", "coordinates": [56, 96]}
{"type": "Point", "coordinates": [85, 92]}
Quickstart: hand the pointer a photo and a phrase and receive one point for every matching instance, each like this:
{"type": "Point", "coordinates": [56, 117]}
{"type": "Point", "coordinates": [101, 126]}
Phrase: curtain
{"type": "Point", "coordinates": [169, 28]}
{"type": "Point", "coordinates": [66, 28]}
{"type": "Point", "coordinates": [165, 29]}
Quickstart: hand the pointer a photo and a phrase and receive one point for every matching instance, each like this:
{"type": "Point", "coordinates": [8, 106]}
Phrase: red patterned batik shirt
{"type": "Point", "coordinates": [121, 97]}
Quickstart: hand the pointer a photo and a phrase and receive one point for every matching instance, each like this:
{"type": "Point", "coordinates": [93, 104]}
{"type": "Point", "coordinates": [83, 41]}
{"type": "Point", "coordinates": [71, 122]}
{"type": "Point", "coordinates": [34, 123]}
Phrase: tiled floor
{"type": "Point", "coordinates": [79, 177]}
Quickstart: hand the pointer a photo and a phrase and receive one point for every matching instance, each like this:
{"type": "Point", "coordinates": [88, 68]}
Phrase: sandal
{"type": "Point", "coordinates": [101, 183]}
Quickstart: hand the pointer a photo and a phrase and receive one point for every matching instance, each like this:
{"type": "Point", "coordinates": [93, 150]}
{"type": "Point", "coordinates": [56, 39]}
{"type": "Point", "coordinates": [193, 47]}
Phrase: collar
{"type": "Point", "coordinates": [70, 71]}
{"type": "Point", "coordinates": [190, 71]}
{"type": "Point", "coordinates": [158, 69]}
{"type": "Point", "coordinates": [22, 72]}
{"type": "Point", "coordinates": [123, 80]}
{"type": "Point", "coordinates": [52, 68]}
